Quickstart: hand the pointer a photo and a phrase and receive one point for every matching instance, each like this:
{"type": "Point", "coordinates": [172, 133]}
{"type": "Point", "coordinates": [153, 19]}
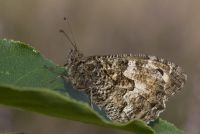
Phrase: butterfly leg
{"type": "Point", "coordinates": [62, 75]}
{"type": "Point", "coordinates": [91, 99]}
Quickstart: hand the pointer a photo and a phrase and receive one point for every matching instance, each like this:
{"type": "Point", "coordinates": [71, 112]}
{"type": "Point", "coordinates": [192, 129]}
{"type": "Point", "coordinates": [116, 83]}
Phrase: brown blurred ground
{"type": "Point", "coordinates": [168, 29]}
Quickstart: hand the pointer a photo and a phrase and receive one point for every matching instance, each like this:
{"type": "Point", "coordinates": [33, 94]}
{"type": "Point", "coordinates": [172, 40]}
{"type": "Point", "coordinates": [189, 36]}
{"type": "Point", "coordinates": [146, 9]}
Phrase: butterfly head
{"type": "Point", "coordinates": [73, 58]}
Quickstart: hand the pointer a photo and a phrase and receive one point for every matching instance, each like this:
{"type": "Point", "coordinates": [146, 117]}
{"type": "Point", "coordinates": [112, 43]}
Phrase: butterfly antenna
{"type": "Point", "coordinates": [68, 38]}
{"type": "Point", "coordinates": [70, 30]}
{"type": "Point", "coordinates": [71, 40]}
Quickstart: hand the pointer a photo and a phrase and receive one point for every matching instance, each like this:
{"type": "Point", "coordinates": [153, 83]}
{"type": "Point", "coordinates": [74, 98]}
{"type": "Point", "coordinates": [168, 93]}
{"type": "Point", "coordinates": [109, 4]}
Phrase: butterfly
{"type": "Point", "coordinates": [126, 86]}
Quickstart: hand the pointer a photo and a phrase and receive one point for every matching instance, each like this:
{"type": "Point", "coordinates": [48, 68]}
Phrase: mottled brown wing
{"type": "Point", "coordinates": [127, 87]}
{"type": "Point", "coordinates": [135, 86]}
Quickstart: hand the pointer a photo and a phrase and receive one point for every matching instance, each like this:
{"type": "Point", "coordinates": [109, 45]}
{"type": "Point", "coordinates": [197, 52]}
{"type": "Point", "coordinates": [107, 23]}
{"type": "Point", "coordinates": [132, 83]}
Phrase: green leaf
{"type": "Point", "coordinates": [163, 127]}
{"type": "Point", "coordinates": [25, 83]}
{"type": "Point", "coordinates": [22, 65]}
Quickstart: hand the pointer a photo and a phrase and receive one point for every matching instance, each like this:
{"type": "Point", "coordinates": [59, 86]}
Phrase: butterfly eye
{"type": "Point", "coordinates": [160, 71]}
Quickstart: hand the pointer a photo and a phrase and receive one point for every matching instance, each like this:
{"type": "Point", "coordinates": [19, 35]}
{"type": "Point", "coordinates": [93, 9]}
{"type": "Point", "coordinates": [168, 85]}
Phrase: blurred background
{"type": "Point", "coordinates": [168, 29]}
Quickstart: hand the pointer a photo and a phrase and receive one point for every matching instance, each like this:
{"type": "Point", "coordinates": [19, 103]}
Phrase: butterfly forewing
{"type": "Point", "coordinates": [126, 87]}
